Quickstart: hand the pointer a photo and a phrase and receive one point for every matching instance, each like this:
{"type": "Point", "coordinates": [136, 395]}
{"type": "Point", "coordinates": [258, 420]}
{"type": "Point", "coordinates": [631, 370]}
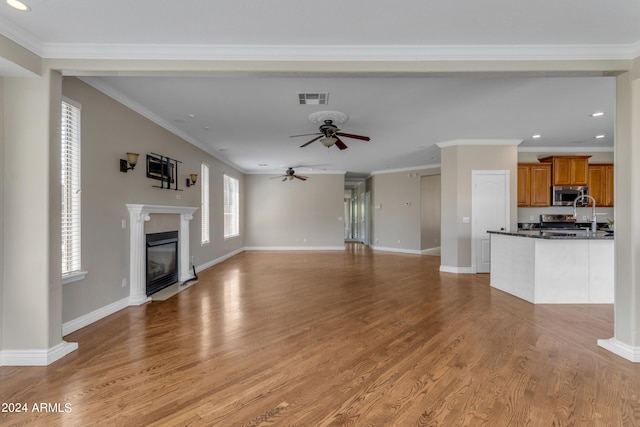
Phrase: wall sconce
{"type": "Point", "coordinates": [193, 180]}
{"type": "Point", "coordinates": [130, 163]}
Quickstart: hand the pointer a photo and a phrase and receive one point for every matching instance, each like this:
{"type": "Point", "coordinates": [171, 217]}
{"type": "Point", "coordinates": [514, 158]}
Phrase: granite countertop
{"type": "Point", "coordinates": [577, 234]}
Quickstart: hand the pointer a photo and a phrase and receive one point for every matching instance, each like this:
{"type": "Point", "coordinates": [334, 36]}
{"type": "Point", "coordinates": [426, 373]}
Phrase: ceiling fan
{"type": "Point", "coordinates": [329, 134]}
{"type": "Point", "coordinates": [290, 174]}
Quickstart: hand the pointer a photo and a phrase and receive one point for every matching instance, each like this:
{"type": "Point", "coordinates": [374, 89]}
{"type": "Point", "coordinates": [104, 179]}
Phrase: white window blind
{"type": "Point", "coordinates": [204, 202]}
{"type": "Point", "coordinates": [71, 190]}
{"type": "Point", "coordinates": [231, 207]}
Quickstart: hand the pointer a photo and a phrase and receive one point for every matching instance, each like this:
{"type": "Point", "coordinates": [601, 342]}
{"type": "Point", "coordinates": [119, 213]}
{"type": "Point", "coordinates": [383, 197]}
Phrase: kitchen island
{"type": "Point", "coordinates": [554, 267]}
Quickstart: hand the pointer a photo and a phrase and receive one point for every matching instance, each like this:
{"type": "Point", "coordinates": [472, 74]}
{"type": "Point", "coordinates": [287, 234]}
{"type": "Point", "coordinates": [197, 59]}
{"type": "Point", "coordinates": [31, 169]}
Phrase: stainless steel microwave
{"type": "Point", "coordinates": [566, 194]}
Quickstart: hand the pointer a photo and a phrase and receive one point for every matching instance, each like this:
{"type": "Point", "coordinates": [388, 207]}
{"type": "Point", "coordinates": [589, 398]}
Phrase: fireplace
{"type": "Point", "coordinates": [162, 260]}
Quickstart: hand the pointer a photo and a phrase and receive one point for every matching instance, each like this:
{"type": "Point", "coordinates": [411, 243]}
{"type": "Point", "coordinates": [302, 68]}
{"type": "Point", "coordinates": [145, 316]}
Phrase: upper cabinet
{"type": "Point", "coordinates": [568, 170]}
{"type": "Point", "coordinates": [601, 184]}
{"type": "Point", "coordinates": [534, 181]}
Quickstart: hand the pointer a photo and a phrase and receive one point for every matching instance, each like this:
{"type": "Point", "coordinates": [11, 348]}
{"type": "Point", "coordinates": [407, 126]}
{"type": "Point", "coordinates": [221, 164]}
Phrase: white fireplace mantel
{"type": "Point", "coordinates": [138, 215]}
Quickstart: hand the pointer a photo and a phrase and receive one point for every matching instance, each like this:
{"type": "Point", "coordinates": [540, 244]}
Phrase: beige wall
{"type": "Point", "coordinates": [295, 214]}
{"type": "Point", "coordinates": [2, 209]}
{"type": "Point", "coordinates": [627, 190]}
{"type": "Point", "coordinates": [457, 163]}
{"type": "Point", "coordinates": [430, 212]}
{"type": "Point", "coordinates": [110, 129]}
{"type": "Point", "coordinates": [24, 60]}
{"type": "Point", "coordinates": [396, 210]}
{"type": "Point", "coordinates": [32, 286]}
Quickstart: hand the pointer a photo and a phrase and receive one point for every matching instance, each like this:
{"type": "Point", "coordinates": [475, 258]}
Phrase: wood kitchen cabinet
{"type": "Point", "coordinates": [569, 170]}
{"type": "Point", "coordinates": [601, 184]}
{"type": "Point", "coordinates": [534, 182]}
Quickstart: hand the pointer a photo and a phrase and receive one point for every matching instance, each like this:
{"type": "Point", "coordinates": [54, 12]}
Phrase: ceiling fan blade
{"type": "Point", "coordinates": [301, 178]}
{"type": "Point", "coordinates": [350, 135]}
{"type": "Point", "coordinates": [313, 140]}
{"type": "Point", "coordinates": [341, 145]}
{"type": "Point", "coordinates": [305, 134]}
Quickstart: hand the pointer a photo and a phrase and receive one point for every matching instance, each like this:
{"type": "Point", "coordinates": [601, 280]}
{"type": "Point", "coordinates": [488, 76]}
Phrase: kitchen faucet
{"type": "Point", "coordinates": [594, 225]}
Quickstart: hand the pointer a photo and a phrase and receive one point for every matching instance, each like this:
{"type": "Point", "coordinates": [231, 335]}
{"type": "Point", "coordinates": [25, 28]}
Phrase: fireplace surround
{"type": "Point", "coordinates": [138, 215]}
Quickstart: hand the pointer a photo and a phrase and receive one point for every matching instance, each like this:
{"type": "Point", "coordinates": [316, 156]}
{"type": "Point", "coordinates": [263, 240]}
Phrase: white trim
{"type": "Point", "coordinates": [294, 248]}
{"type": "Point", "coordinates": [411, 168]}
{"type": "Point", "coordinates": [621, 349]}
{"type": "Point", "coordinates": [36, 357]}
{"type": "Point", "coordinates": [398, 250]}
{"type": "Point", "coordinates": [330, 52]}
{"type": "Point", "coordinates": [138, 215]}
{"type": "Point", "coordinates": [144, 112]}
{"type": "Point", "coordinates": [218, 260]}
{"type": "Point", "coordinates": [479, 142]}
{"type": "Point", "coordinates": [577, 149]}
{"type": "Point", "coordinates": [431, 251]}
{"type": "Point", "coordinates": [94, 316]}
{"type": "Point", "coordinates": [76, 276]}
{"type": "Point", "coordinates": [457, 270]}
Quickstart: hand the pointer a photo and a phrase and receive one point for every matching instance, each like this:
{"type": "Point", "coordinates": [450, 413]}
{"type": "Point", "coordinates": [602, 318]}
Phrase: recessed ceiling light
{"type": "Point", "coordinates": [17, 4]}
{"type": "Point", "coordinates": [191, 116]}
{"type": "Point", "coordinates": [536, 136]}
{"type": "Point", "coordinates": [597, 114]}
{"type": "Point", "coordinates": [599, 136]}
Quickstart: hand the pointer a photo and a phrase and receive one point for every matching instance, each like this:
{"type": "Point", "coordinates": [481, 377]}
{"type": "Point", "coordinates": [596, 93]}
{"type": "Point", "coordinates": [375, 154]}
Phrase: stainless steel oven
{"type": "Point", "coordinates": [565, 195]}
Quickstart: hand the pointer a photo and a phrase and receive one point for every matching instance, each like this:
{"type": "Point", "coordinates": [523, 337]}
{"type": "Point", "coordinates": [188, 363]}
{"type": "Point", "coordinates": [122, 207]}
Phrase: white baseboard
{"type": "Point", "coordinates": [621, 349]}
{"type": "Point", "coordinates": [294, 248]}
{"type": "Point", "coordinates": [457, 270]}
{"type": "Point", "coordinates": [218, 260]}
{"type": "Point", "coordinates": [399, 250]}
{"type": "Point", "coordinates": [431, 251]}
{"type": "Point", "coordinates": [36, 357]}
{"type": "Point", "coordinates": [94, 316]}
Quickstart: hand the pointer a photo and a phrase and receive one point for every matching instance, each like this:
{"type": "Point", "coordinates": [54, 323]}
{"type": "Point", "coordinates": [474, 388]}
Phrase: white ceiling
{"type": "Point", "coordinates": [250, 117]}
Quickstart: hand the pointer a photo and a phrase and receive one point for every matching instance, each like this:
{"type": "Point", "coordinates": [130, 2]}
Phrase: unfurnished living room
{"type": "Point", "coordinates": [240, 213]}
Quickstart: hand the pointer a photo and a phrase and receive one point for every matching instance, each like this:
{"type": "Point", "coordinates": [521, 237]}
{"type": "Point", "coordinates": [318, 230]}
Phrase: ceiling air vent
{"type": "Point", "coordinates": [318, 98]}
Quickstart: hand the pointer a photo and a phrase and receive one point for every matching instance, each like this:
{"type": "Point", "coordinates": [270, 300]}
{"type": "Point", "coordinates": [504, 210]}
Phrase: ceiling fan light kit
{"type": "Point", "coordinates": [290, 174]}
{"type": "Point", "coordinates": [328, 133]}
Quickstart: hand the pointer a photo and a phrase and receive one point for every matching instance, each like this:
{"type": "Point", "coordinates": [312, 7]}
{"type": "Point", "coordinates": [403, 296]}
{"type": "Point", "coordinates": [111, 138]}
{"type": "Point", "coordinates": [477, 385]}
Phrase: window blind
{"type": "Point", "coordinates": [231, 207]}
{"type": "Point", "coordinates": [204, 203]}
{"type": "Point", "coordinates": [71, 189]}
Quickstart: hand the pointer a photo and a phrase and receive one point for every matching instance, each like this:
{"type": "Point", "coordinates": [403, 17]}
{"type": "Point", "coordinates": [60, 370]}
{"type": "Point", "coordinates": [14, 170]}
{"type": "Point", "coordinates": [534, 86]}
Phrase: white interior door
{"type": "Point", "coordinates": [489, 211]}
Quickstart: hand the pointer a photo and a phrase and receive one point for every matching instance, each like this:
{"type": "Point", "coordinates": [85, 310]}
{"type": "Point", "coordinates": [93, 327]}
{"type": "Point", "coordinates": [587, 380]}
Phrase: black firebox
{"type": "Point", "coordinates": [162, 260]}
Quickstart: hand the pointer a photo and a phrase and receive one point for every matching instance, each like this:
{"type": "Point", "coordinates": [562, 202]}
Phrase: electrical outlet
{"type": "Point", "coordinates": [124, 282]}
{"type": "Point", "coordinates": [124, 224]}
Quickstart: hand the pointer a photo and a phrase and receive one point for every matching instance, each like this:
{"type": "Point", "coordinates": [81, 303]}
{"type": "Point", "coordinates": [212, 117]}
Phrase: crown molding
{"type": "Point", "coordinates": [478, 142]}
{"type": "Point", "coordinates": [22, 37]}
{"type": "Point", "coordinates": [580, 149]}
{"type": "Point", "coordinates": [338, 53]}
{"type": "Point", "coordinates": [128, 102]}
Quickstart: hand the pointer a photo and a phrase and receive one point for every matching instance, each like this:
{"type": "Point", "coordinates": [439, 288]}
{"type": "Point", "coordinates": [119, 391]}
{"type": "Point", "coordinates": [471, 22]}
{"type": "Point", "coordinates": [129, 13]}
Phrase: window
{"type": "Point", "coordinates": [71, 192]}
{"type": "Point", "coordinates": [231, 207]}
{"type": "Point", "coordinates": [204, 203]}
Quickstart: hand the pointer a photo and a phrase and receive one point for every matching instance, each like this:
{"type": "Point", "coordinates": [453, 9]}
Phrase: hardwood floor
{"type": "Point", "coordinates": [351, 338]}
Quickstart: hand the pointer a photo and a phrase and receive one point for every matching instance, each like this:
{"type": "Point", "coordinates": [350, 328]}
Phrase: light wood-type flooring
{"type": "Point", "coordinates": [353, 338]}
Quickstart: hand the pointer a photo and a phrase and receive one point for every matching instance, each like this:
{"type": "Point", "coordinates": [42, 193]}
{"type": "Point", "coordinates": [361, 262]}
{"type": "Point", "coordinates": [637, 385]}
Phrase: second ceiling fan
{"type": "Point", "coordinates": [328, 133]}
